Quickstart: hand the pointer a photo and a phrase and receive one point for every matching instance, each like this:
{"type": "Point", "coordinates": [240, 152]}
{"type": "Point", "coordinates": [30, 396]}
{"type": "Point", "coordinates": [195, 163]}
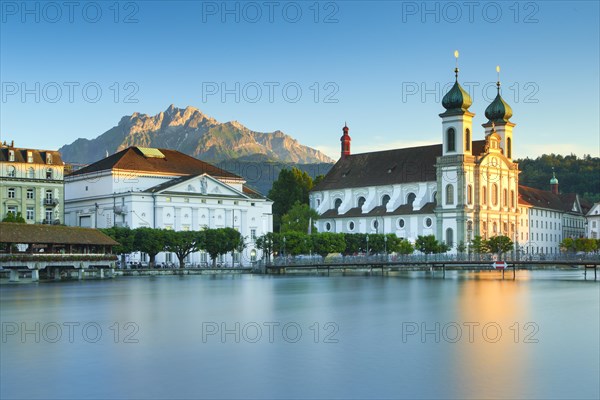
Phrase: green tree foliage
{"type": "Point", "coordinates": [567, 245]}
{"type": "Point", "coordinates": [499, 244]}
{"type": "Point", "coordinates": [11, 217]}
{"type": "Point", "coordinates": [328, 242]}
{"type": "Point", "coordinates": [149, 241]}
{"type": "Point", "coordinates": [575, 175]}
{"type": "Point", "coordinates": [182, 243]}
{"type": "Point", "coordinates": [427, 244]}
{"type": "Point", "coordinates": [355, 243]}
{"type": "Point", "coordinates": [318, 179]}
{"type": "Point", "coordinates": [297, 219]}
{"type": "Point", "coordinates": [296, 243]}
{"type": "Point", "coordinates": [221, 241]}
{"type": "Point", "coordinates": [265, 243]}
{"type": "Point", "coordinates": [124, 236]}
{"type": "Point", "coordinates": [291, 186]}
{"type": "Point", "coordinates": [586, 245]}
{"type": "Point", "coordinates": [478, 245]}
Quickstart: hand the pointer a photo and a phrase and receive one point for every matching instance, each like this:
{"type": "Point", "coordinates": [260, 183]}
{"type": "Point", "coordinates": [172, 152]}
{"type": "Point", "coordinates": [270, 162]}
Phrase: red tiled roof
{"type": "Point", "coordinates": [39, 156]}
{"type": "Point", "coordinates": [174, 163]}
{"type": "Point", "coordinates": [546, 199]}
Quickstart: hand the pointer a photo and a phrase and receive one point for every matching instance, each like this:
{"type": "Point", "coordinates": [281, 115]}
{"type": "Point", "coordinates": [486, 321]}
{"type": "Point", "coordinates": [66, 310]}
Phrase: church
{"type": "Point", "coordinates": [455, 190]}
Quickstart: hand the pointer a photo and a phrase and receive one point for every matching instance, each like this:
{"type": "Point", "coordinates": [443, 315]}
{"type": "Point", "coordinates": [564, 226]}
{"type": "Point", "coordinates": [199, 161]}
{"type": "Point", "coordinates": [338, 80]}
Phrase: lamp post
{"type": "Point", "coordinates": [385, 246]}
{"type": "Point", "coordinates": [367, 245]}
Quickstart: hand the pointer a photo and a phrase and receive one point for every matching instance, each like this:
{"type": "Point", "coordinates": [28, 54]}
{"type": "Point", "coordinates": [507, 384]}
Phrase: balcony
{"type": "Point", "coordinates": [120, 209]}
{"type": "Point", "coordinates": [51, 202]}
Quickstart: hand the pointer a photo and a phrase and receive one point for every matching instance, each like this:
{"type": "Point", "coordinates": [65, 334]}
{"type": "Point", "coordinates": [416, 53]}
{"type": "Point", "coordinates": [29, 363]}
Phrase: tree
{"type": "Point", "coordinates": [265, 243]}
{"type": "Point", "coordinates": [182, 243]}
{"type": "Point", "coordinates": [478, 245]}
{"type": "Point", "coordinates": [296, 243]}
{"type": "Point", "coordinates": [328, 242]}
{"type": "Point", "coordinates": [220, 241]}
{"type": "Point", "coordinates": [499, 244]}
{"type": "Point", "coordinates": [318, 179]}
{"type": "Point", "coordinates": [567, 245]}
{"type": "Point", "coordinates": [291, 186]}
{"type": "Point", "coordinates": [355, 243]}
{"type": "Point", "coordinates": [149, 241]}
{"type": "Point", "coordinates": [11, 217]}
{"type": "Point", "coordinates": [427, 244]}
{"type": "Point", "coordinates": [125, 237]}
{"type": "Point", "coordinates": [298, 217]}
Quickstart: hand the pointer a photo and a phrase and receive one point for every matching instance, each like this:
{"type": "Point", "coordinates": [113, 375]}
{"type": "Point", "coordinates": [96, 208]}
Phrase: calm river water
{"type": "Point", "coordinates": [471, 335]}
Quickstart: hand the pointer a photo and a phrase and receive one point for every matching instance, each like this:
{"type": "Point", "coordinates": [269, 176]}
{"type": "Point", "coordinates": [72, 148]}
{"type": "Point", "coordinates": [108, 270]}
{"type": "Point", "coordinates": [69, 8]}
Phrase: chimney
{"type": "Point", "coordinates": [345, 139]}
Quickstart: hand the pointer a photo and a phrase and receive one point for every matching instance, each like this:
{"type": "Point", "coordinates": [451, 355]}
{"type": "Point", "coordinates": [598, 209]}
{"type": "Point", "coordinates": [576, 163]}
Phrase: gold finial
{"type": "Point", "coordinates": [498, 83]}
{"type": "Point", "coordinates": [456, 68]}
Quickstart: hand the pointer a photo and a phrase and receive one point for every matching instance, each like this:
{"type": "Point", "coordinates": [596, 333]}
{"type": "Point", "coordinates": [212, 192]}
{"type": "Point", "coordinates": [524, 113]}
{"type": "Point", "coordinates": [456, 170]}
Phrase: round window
{"type": "Point", "coordinates": [328, 226]}
{"type": "Point", "coordinates": [401, 223]}
{"type": "Point", "coordinates": [351, 225]}
{"type": "Point", "coordinates": [428, 222]}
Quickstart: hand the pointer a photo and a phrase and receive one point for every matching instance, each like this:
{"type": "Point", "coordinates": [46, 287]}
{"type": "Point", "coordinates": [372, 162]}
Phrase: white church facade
{"type": "Point", "coordinates": [161, 188]}
{"type": "Point", "coordinates": [455, 190]}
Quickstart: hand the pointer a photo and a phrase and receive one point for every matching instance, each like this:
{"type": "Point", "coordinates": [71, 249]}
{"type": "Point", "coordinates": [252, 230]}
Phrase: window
{"type": "Point", "coordinates": [375, 224]}
{"type": "Point", "coordinates": [48, 158]}
{"type": "Point", "coordinates": [509, 147]}
{"type": "Point", "coordinates": [30, 173]}
{"type": "Point", "coordinates": [11, 172]}
{"type": "Point", "coordinates": [512, 199]}
{"type": "Point", "coordinates": [328, 226]}
{"type": "Point", "coordinates": [351, 225]}
{"type": "Point", "coordinates": [49, 173]}
{"type": "Point", "coordinates": [505, 198]}
{"type": "Point", "coordinates": [469, 194]}
{"type": "Point", "coordinates": [252, 234]}
{"type": "Point", "coordinates": [451, 140]}
{"type": "Point", "coordinates": [29, 214]}
{"type": "Point", "coordinates": [385, 200]}
{"type": "Point", "coordinates": [361, 201]}
{"type": "Point", "coordinates": [337, 203]}
{"type": "Point", "coordinates": [495, 228]}
{"type": "Point", "coordinates": [12, 210]}
{"type": "Point", "coordinates": [505, 227]}
{"type": "Point", "coordinates": [467, 140]}
{"type": "Point", "coordinates": [318, 202]}
{"type": "Point", "coordinates": [495, 194]}
{"type": "Point", "coordinates": [49, 215]}
{"type": "Point", "coordinates": [428, 222]}
{"type": "Point", "coordinates": [449, 194]}
{"type": "Point", "coordinates": [484, 195]}
{"type": "Point", "coordinates": [401, 223]}
{"type": "Point", "coordinates": [30, 194]}
{"type": "Point", "coordinates": [49, 195]}
{"type": "Point", "coordinates": [410, 199]}
{"type": "Point", "coordinates": [449, 237]}
{"type": "Point", "coordinates": [11, 155]}
{"type": "Point", "coordinates": [11, 193]}
{"type": "Point", "coordinates": [29, 156]}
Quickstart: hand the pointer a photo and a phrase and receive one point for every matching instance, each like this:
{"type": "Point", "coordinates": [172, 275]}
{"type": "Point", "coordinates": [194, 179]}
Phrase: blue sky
{"type": "Point", "coordinates": [380, 66]}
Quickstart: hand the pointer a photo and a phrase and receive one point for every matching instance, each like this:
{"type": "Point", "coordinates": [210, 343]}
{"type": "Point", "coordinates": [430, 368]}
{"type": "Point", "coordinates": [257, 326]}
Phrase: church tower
{"type": "Point", "coordinates": [499, 113]}
{"type": "Point", "coordinates": [345, 139]}
{"type": "Point", "coordinates": [454, 169]}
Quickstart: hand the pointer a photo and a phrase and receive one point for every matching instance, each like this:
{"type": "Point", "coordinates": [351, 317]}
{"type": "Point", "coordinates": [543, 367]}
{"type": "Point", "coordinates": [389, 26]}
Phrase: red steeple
{"type": "Point", "coordinates": [345, 139]}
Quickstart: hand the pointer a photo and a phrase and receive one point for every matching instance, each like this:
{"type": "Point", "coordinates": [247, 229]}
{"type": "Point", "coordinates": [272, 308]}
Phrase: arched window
{"type": "Point", "coordinates": [375, 225]}
{"type": "Point", "coordinates": [505, 198]}
{"type": "Point", "coordinates": [451, 140]}
{"type": "Point", "coordinates": [385, 200]}
{"type": "Point", "coordinates": [509, 147]}
{"type": "Point", "coordinates": [337, 204]}
{"type": "Point", "coordinates": [483, 195]}
{"type": "Point", "coordinates": [30, 173]}
{"type": "Point", "coordinates": [449, 237]}
{"type": "Point", "coordinates": [495, 228]}
{"type": "Point", "coordinates": [11, 171]}
{"type": "Point", "coordinates": [467, 140]}
{"type": "Point", "coordinates": [410, 199]}
{"type": "Point", "coordinates": [361, 201]}
{"type": "Point", "coordinates": [469, 194]}
{"type": "Point", "coordinates": [449, 194]}
{"type": "Point", "coordinates": [495, 194]}
{"type": "Point", "coordinates": [512, 198]}
{"type": "Point", "coordinates": [434, 197]}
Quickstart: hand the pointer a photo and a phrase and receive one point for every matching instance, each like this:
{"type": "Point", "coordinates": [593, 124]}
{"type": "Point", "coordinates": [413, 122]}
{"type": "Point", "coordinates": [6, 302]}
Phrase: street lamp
{"type": "Point", "coordinates": [367, 245]}
{"type": "Point", "coordinates": [385, 245]}
{"type": "Point", "coordinates": [284, 246]}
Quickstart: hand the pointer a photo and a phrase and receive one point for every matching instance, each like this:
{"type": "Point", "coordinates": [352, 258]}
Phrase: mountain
{"type": "Point", "coordinates": [190, 131]}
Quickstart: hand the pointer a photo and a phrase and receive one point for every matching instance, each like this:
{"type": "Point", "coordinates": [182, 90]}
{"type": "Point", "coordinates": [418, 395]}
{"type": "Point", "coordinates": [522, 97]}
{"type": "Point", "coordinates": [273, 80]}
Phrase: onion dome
{"type": "Point", "coordinates": [498, 110]}
{"type": "Point", "coordinates": [553, 181]}
{"type": "Point", "coordinates": [457, 98]}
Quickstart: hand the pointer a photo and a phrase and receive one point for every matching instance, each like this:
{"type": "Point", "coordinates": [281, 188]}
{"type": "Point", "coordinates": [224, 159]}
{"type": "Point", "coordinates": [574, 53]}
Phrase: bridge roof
{"type": "Point", "coordinates": [52, 234]}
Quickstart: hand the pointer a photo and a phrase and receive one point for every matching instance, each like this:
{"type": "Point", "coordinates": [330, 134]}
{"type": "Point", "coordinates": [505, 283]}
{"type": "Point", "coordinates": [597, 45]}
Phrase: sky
{"type": "Point", "coordinates": [72, 70]}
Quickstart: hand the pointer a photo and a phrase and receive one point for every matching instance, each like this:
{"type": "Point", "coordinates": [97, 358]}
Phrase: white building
{"type": "Point", "coordinates": [162, 188]}
{"type": "Point", "coordinates": [593, 222]}
{"type": "Point", "coordinates": [455, 190]}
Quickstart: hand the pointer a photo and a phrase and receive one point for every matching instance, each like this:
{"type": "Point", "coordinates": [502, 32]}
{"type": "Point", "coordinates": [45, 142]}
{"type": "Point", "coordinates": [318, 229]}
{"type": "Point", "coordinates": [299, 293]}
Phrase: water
{"type": "Point", "coordinates": [362, 346]}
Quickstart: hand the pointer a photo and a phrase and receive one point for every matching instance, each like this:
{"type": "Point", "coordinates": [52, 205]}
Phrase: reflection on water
{"type": "Point", "coordinates": [471, 335]}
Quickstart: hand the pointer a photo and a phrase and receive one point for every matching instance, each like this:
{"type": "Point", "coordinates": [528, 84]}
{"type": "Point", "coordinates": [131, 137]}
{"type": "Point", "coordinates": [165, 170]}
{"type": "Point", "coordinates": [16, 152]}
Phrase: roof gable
{"type": "Point", "coordinates": [197, 184]}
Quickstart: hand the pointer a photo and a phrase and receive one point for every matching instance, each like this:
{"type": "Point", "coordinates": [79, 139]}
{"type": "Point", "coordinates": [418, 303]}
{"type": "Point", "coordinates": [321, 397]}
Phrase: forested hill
{"type": "Point", "coordinates": [574, 174]}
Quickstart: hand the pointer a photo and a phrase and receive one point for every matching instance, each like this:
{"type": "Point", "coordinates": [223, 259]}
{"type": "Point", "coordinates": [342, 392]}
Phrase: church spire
{"type": "Point", "coordinates": [554, 183]}
{"type": "Point", "coordinates": [457, 98]}
{"type": "Point", "coordinates": [345, 139]}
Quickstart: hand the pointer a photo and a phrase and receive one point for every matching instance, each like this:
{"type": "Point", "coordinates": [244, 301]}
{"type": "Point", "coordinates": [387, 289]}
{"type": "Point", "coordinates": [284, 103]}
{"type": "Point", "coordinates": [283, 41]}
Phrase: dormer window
{"type": "Point", "coordinates": [11, 155]}
{"type": "Point", "coordinates": [11, 171]}
{"type": "Point", "coordinates": [48, 158]}
{"type": "Point", "coordinates": [29, 156]}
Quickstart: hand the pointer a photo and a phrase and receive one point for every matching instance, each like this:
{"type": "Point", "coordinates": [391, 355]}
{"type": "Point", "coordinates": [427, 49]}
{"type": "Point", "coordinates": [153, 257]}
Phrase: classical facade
{"type": "Point", "coordinates": [455, 190]}
{"type": "Point", "coordinates": [31, 183]}
{"type": "Point", "coordinates": [161, 188]}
